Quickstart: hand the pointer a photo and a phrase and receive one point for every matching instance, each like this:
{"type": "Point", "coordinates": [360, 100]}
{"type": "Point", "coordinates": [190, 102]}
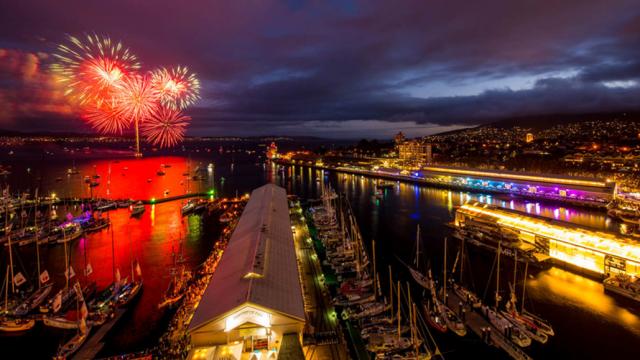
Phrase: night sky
{"type": "Point", "coordinates": [340, 68]}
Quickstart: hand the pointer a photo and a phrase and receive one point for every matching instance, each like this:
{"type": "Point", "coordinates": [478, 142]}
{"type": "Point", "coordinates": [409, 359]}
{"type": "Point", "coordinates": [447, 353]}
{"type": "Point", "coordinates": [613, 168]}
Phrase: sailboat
{"type": "Point", "coordinates": [177, 288]}
{"type": "Point", "coordinates": [415, 353]}
{"type": "Point", "coordinates": [94, 180]}
{"type": "Point", "coordinates": [131, 290]}
{"type": "Point", "coordinates": [44, 287]}
{"type": "Point", "coordinates": [450, 317]}
{"type": "Point", "coordinates": [385, 344]}
{"type": "Point", "coordinates": [81, 336]}
{"type": "Point", "coordinates": [459, 289]}
{"type": "Point", "coordinates": [415, 273]}
{"type": "Point", "coordinates": [11, 324]}
{"type": "Point", "coordinates": [73, 171]}
{"type": "Point", "coordinates": [16, 298]}
{"type": "Point", "coordinates": [528, 326]}
{"type": "Point", "coordinates": [499, 322]}
{"type": "Point", "coordinates": [431, 306]}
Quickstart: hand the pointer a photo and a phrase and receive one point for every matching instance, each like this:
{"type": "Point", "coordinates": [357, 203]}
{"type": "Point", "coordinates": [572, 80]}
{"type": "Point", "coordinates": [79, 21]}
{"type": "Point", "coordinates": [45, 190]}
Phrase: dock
{"type": "Point", "coordinates": [90, 349]}
{"type": "Point", "coordinates": [476, 323]}
{"type": "Point", "coordinates": [323, 334]}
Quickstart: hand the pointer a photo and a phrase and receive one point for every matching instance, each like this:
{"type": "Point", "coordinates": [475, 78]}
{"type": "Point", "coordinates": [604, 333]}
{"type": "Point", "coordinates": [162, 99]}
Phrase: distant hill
{"type": "Point", "coordinates": [543, 122]}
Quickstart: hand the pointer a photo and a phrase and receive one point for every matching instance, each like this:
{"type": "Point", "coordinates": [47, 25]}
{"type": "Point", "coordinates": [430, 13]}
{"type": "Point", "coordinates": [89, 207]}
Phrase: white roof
{"type": "Point", "coordinates": [262, 245]}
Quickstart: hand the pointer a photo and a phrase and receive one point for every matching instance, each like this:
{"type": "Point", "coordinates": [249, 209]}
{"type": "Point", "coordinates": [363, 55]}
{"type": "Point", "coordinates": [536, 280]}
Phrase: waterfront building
{"type": "Point", "coordinates": [586, 250]}
{"type": "Point", "coordinates": [254, 301]}
{"type": "Point", "coordinates": [272, 151]}
{"type": "Point", "coordinates": [429, 154]}
{"type": "Point", "coordinates": [412, 154]}
{"type": "Point", "coordinates": [543, 184]}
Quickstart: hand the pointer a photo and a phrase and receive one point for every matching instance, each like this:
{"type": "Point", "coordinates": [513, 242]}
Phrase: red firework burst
{"type": "Point", "coordinates": [106, 117]}
{"type": "Point", "coordinates": [136, 98]}
{"type": "Point", "coordinates": [165, 127]}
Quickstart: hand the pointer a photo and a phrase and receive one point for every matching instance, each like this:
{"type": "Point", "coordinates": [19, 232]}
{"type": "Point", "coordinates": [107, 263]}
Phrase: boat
{"type": "Point", "coordinates": [70, 232]}
{"type": "Point", "coordinates": [460, 290]}
{"type": "Point", "coordinates": [149, 180]}
{"type": "Point", "coordinates": [226, 217]}
{"type": "Point", "coordinates": [450, 317]}
{"type": "Point", "coordinates": [137, 209]}
{"type": "Point", "coordinates": [179, 283]}
{"type": "Point", "coordinates": [14, 325]}
{"type": "Point", "coordinates": [415, 272]}
{"type": "Point", "coordinates": [98, 224]}
{"type": "Point", "coordinates": [106, 206]}
{"type": "Point", "coordinates": [379, 194]}
{"type": "Point", "coordinates": [385, 185]}
{"type": "Point", "coordinates": [131, 290]}
{"type": "Point", "coordinates": [624, 285]}
{"type": "Point", "coordinates": [72, 319]}
{"type": "Point", "coordinates": [74, 344]}
{"type": "Point", "coordinates": [33, 301]}
{"type": "Point", "coordinates": [125, 204]}
{"type": "Point", "coordinates": [160, 173]}
{"type": "Point", "coordinates": [188, 208]}
{"type": "Point", "coordinates": [499, 322]}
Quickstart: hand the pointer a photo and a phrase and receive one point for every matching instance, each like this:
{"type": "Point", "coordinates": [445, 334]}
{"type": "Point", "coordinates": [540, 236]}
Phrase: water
{"type": "Point", "coordinates": [585, 319]}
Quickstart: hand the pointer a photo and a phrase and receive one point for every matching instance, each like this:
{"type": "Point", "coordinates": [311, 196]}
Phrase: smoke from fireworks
{"type": "Point", "coordinates": [92, 68]}
{"type": "Point", "coordinates": [177, 88]}
{"type": "Point", "coordinates": [165, 127]}
{"type": "Point", "coordinates": [104, 80]}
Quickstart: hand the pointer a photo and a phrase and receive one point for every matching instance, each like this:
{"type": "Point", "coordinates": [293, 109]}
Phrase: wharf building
{"type": "Point", "coordinates": [585, 250]}
{"type": "Point", "coordinates": [544, 184]}
{"type": "Point", "coordinates": [253, 304]}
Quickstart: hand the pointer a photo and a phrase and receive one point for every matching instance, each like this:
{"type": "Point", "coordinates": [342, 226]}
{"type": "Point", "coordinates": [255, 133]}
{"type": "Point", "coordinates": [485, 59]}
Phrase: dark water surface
{"type": "Point", "coordinates": [588, 323]}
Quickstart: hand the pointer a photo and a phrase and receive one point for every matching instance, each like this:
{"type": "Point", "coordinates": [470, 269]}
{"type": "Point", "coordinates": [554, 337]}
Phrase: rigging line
{"type": "Point", "coordinates": [484, 296]}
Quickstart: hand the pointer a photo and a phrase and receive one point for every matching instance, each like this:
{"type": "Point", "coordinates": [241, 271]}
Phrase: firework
{"type": "Point", "coordinates": [91, 67]}
{"type": "Point", "coordinates": [106, 117]}
{"type": "Point", "coordinates": [165, 127]}
{"type": "Point", "coordinates": [136, 98]}
{"type": "Point", "coordinates": [178, 88]}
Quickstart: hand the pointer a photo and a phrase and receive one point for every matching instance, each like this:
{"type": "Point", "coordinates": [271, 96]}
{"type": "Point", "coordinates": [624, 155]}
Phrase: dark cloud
{"type": "Point", "coordinates": [276, 63]}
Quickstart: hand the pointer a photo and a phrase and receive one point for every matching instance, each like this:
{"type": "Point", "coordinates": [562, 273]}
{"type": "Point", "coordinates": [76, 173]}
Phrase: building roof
{"type": "Point", "coordinates": [259, 264]}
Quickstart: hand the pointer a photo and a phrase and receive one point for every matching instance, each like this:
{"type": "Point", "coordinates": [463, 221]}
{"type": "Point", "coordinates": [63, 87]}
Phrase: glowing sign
{"type": "Point", "coordinates": [247, 314]}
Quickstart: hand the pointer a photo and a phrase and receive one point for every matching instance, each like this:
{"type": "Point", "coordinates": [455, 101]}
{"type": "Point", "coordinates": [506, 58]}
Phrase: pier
{"type": "Point", "coordinates": [477, 323]}
{"type": "Point", "coordinates": [93, 346]}
{"type": "Point", "coordinates": [324, 337]}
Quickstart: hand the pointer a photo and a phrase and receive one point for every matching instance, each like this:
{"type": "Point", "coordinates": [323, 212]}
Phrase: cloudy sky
{"type": "Point", "coordinates": [340, 68]}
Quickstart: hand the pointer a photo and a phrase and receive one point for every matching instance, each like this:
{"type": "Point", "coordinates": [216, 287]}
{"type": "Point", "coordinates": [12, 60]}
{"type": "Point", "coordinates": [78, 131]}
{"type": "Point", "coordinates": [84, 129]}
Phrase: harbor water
{"type": "Point", "coordinates": [588, 323]}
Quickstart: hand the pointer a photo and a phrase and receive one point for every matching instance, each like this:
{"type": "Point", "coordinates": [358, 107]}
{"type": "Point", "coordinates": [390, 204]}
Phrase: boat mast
{"type": "Point", "coordinates": [391, 290]}
{"type": "Point", "coordinates": [444, 292]}
{"type": "Point", "coordinates": [498, 278]}
{"type": "Point", "coordinates": [413, 329]}
{"type": "Point", "coordinates": [399, 309]}
{"type": "Point", "coordinates": [6, 292]}
{"type": "Point", "coordinates": [113, 257]}
{"type": "Point", "coordinates": [418, 249]}
{"type": "Point", "coordinates": [13, 285]}
{"type": "Point", "coordinates": [462, 261]}
{"type": "Point", "coordinates": [133, 277]}
{"type": "Point", "coordinates": [375, 279]}
{"type": "Point", "coordinates": [37, 244]}
{"type": "Point", "coordinates": [109, 182]}
{"type": "Point", "coordinates": [524, 284]}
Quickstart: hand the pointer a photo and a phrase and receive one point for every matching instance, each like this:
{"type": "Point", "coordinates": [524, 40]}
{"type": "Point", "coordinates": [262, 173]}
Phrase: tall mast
{"type": "Point", "coordinates": [498, 278]}
{"type": "Point", "coordinates": [418, 249]}
{"type": "Point", "coordinates": [66, 262]}
{"type": "Point", "coordinates": [391, 290]}
{"type": "Point", "coordinates": [6, 291]}
{"type": "Point", "coordinates": [375, 279]}
{"type": "Point", "coordinates": [37, 244]}
{"type": "Point", "coordinates": [410, 309]}
{"type": "Point", "coordinates": [413, 329]}
{"type": "Point", "coordinates": [462, 261]}
{"type": "Point", "coordinates": [133, 277]}
{"type": "Point", "coordinates": [524, 284]}
{"type": "Point", "coordinates": [109, 182]}
{"type": "Point", "coordinates": [113, 256]}
{"type": "Point", "coordinates": [13, 285]}
{"type": "Point", "coordinates": [444, 293]}
{"type": "Point", "coordinates": [399, 307]}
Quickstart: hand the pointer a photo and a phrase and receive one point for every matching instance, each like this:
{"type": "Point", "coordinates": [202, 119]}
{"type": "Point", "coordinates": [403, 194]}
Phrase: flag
{"type": "Point", "coordinates": [19, 279]}
{"type": "Point", "coordinates": [69, 216]}
{"type": "Point", "coordinates": [138, 270]}
{"type": "Point", "coordinates": [44, 277]}
{"type": "Point", "coordinates": [78, 290]}
{"type": "Point", "coordinates": [24, 214]}
{"type": "Point", "coordinates": [57, 302]}
{"type": "Point", "coordinates": [84, 311]}
{"type": "Point", "coordinates": [99, 214]}
{"type": "Point", "coordinates": [117, 275]}
{"type": "Point", "coordinates": [87, 214]}
{"type": "Point", "coordinates": [88, 271]}
{"type": "Point", "coordinates": [69, 273]}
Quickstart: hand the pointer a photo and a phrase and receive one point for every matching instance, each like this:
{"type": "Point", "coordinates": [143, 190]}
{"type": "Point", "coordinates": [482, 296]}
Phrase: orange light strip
{"type": "Point", "coordinates": [519, 177]}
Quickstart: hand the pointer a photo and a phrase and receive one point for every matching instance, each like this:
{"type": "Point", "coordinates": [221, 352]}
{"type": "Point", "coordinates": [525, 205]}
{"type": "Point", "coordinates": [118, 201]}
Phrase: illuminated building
{"type": "Point", "coordinates": [399, 138]}
{"type": "Point", "coordinates": [272, 151]}
{"type": "Point", "coordinates": [254, 297]}
{"type": "Point", "coordinates": [412, 154]}
{"type": "Point", "coordinates": [557, 185]}
{"type": "Point", "coordinates": [587, 250]}
{"type": "Point", "coordinates": [429, 154]}
{"type": "Point", "coordinates": [529, 137]}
